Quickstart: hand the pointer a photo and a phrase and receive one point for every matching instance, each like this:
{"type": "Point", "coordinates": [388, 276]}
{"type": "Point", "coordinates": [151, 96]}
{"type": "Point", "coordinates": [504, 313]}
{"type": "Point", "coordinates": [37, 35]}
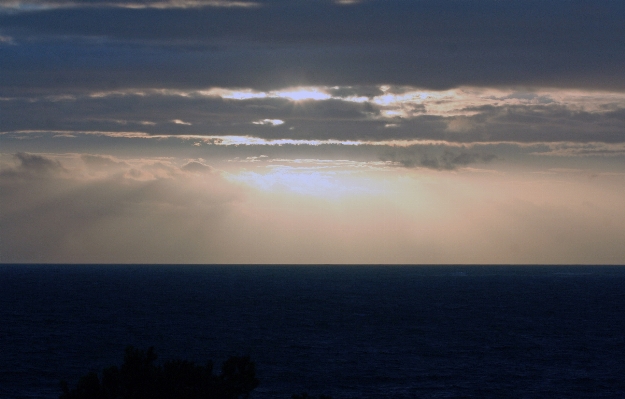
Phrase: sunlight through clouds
{"type": "Point", "coordinates": [272, 122]}
{"type": "Point", "coordinates": [303, 94]}
{"type": "Point", "coordinates": [308, 181]}
{"type": "Point", "coordinates": [293, 94]}
{"type": "Point", "coordinates": [304, 131]}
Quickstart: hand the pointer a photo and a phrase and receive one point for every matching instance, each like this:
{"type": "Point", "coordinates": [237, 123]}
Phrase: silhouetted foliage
{"type": "Point", "coordinates": [140, 378]}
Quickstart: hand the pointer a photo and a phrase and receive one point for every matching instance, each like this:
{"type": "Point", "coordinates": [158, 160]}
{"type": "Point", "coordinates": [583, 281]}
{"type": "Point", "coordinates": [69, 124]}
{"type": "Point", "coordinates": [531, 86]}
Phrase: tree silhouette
{"type": "Point", "coordinates": [140, 378]}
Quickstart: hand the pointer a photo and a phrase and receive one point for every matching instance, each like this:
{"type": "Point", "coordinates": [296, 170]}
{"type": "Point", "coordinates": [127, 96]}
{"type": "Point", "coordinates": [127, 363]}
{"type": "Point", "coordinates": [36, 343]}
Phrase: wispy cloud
{"type": "Point", "coordinates": [583, 149]}
{"type": "Point", "coordinates": [343, 114]}
{"type": "Point", "coordinates": [6, 40]}
{"type": "Point", "coordinates": [42, 5]}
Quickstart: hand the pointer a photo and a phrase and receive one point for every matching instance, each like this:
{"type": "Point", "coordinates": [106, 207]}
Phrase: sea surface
{"type": "Point", "coordinates": [343, 331]}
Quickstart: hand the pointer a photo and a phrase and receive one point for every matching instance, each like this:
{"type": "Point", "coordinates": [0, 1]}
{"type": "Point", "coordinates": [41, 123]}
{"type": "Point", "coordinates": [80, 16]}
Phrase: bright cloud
{"type": "Point", "coordinates": [302, 94]}
{"type": "Point", "coordinates": [271, 122]}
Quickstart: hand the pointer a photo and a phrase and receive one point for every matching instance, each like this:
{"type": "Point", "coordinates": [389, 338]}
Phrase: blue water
{"type": "Point", "coordinates": [344, 331]}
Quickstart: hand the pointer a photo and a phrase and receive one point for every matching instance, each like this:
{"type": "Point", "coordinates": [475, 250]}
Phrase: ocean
{"type": "Point", "coordinates": [344, 331]}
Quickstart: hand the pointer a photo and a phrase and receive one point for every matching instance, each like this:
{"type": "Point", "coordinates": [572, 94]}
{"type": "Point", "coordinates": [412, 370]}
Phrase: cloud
{"type": "Point", "coordinates": [271, 122]}
{"type": "Point", "coordinates": [153, 210]}
{"type": "Point", "coordinates": [99, 161]}
{"type": "Point", "coordinates": [37, 163]}
{"type": "Point", "coordinates": [19, 6]}
{"type": "Point", "coordinates": [430, 44]}
{"type": "Point", "coordinates": [197, 167]}
{"type": "Point", "coordinates": [583, 149]}
{"type": "Point", "coordinates": [433, 158]}
{"type": "Point", "coordinates": [130, 119]}
{"type": "Point", "coordinates": [398, 113]}
{"type": "Point", "coordinates": [190, 113]}
{"type": "Point", "coordinates": [32, 165]}
{"type": "Point", "coordinates": [6, 40]}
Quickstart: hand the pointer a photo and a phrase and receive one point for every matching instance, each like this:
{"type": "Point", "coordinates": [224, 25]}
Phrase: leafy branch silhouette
{"type": "Point", "coordinates": [140, 377]}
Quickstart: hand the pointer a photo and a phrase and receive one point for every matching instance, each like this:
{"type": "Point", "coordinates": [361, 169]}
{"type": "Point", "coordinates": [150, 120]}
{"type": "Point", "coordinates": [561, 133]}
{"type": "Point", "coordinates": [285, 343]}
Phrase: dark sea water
{"type": "Point", "coordinates": [344, 331]}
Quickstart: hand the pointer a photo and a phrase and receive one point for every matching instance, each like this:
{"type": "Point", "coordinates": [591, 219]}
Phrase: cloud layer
{"type": "Point", "coordinates": [370, 71]}
{"type": "Point", "coordinates": [367, 113]}
{"type": "Point", "coordinates": [93, 208]}
{"type": "Point", "coordinates": [373, 131]}
{"type": "Point", "coordinates": [430, 44]}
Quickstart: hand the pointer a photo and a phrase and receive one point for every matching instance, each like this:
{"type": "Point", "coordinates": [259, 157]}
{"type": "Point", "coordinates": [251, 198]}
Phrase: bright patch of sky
{"type": "Point", "coordinates": [315, 180]}
{"type": "Point", "coordinates": [294, 94]}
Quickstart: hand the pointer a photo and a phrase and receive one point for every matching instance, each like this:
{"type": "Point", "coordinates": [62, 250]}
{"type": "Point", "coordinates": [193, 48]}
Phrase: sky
{"type": "Point", "coordinates": [312, 131]}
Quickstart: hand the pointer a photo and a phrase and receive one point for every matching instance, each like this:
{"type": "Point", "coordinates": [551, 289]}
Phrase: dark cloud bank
{"type": "Point", "coordinates": [55, 55]}
{"type": "Point", "coordinates": [430, 43]}
{"type": "Point", "coordinates": [413, 157]}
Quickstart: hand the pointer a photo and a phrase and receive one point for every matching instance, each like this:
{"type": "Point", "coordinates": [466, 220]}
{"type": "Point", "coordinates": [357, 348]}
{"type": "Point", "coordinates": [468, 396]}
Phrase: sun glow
{"type": "Point", "coordinates": [318, 181]}
{"type": "Point", "coordinates": [272, 122]}
{"type": "Point", "coordinates": [304, 93]}
{"type": "Point", "coordinates": [291, 93]}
